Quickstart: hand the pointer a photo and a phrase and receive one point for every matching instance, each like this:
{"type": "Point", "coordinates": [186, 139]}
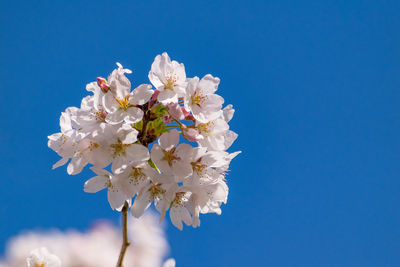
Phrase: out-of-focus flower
{"type": "Point", "coordinates": [98, 247]}
{"type": "Point", "coordinates": [41, 257]}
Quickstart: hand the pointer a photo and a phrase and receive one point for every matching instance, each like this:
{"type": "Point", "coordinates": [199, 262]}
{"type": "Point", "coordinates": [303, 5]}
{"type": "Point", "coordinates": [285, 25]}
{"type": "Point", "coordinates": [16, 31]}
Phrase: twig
{"type": "Point", "coordinates": [125, 241]}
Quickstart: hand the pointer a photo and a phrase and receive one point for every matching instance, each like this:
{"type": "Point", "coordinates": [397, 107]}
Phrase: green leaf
{"type": "Point", "coordinates": [151, 163]}
{"type": "Point", "coordinates": [159, 110]}
{"type": "Point", "coordinates": [138, 125]}
{"type": "Point", "coordinates": [158, 126]}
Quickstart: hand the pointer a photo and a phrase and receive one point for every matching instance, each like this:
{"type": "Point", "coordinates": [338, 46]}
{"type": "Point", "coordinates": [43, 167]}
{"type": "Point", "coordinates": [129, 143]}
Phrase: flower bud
{"type": "Point", "coordinates": [191, 134]}
{"type": "Point", "coordinates": [166, 119]}
{"type": "Point", "coordinates": [185, 112]}
{"type": "Point", "coordinates": [155, 95]}
{"type": "Point", "coordinates": [175, 111]}
{"type": "Point", "coordinates": [102, 83]}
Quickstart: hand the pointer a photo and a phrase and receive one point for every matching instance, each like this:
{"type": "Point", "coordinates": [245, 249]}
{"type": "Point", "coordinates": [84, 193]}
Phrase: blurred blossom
{"type": "Point", "coordinates": [98, 247]}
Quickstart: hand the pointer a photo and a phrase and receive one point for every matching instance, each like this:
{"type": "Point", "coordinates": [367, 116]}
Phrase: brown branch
{"type": "Point", "coordinates": [125, 241]}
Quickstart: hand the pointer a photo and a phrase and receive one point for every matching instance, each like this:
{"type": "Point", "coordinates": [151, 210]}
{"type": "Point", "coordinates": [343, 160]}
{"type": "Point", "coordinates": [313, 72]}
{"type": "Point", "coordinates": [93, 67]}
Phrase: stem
{"type": "Point", "coordinates": [125, 241]}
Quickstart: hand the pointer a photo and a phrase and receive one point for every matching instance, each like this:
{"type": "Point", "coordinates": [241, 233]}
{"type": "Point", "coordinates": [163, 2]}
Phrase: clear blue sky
{"type": "Point", "coordinates": [316, 88]}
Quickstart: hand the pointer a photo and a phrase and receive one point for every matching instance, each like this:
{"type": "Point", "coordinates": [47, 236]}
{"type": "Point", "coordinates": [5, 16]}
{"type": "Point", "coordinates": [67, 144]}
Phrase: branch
{"type": "Point", "coordinates": [125, 242]}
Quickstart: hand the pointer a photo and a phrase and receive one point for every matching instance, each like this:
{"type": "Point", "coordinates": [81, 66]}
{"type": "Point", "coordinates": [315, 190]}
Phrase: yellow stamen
{"type": "Point", "coordinates": [171, 80]}
{"type": "Point", "coordinates": [123, 103]}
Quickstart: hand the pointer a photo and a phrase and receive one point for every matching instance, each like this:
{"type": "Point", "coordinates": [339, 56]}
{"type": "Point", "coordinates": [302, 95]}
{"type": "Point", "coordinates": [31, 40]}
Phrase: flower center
{"type": "Point", "coordinates": [123, 103]}
{"type": "Point", "coordinates": [101, 115]}
{"type": "Point", "coordinates": [198, 98]}
{"type": "Point", "coordinates": [171, 80]}
{"type": "Point", "coordinates": [170, 156]}
{"type": "Point", "coordinates": [136, 176]}
{"type": "Point", "coordinates": [206, 128]}
{"type": "Point", "coordinates": [155, 190]}
{"type": "Point", "coordinates": [198, 167]}
{"type": "Point", "coordinates": [119, 148]}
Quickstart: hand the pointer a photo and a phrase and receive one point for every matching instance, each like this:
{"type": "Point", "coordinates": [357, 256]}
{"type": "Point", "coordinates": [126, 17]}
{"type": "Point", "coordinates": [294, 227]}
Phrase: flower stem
{"type": "Point", "coordinates": [125, 241]}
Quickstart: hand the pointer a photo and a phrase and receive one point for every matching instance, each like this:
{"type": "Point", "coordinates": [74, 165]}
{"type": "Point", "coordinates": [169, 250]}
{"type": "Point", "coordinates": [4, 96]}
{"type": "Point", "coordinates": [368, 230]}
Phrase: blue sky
{"type": "Point", "coordinates": [315, 85]}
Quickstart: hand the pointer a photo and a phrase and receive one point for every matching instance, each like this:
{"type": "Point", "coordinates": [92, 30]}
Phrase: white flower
{"type": "Point", "coordinates": [123, 107]}
{"type": "Point", "coordinates": [213, 133]}
{"type": "Point", "coordinates": [41, 257]}
{"type": "Point", "coordinates": [207, 198]}
{"type": "Point", "coordinates": [170, 158]}
{"type": "Point", "coordinates": [104, 179]}
{"type": "Point", "coordinates": [201, 100]}
{"type": "Point", "coordinates": [156, 189]}
{"type": "Point", "coordinates": [169, 78]}
{"type": "Point", "coordinates": [134, 177]}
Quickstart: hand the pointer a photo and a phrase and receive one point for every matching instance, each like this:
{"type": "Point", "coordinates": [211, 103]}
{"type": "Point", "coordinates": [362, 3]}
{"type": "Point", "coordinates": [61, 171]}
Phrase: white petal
{"type": "Point", "coordinates": [61, 162]}
{"type": "Point", "coordinates": [137, 152]}
{"type": "Point", "coordinates": [116, 117]}
{"type": "Point", "coordinates": [133, 115]}
{"type": "Point", "coordinates": [141, 94]}
{"type": "Point", "coordinates": [116, 198]}
{"type": "Point", "coordinates": [208, 84]}
{"type": "Point", "coordinates": [167, 96]}
{"type": "Point", "coordinates": [76, 165]}
{"type": "Point", "coordinates": [228, 112]}
{"type": "Point", "coordinates": [109, 102]}
{"type": "Point", "coordinates": [142, 202]}
{"type": "Point", "coordinates": [168, 140]}
{"type": "Point", "coordinates": [96, 184]}
{"type": "Point", "coordinates": [169, 263]}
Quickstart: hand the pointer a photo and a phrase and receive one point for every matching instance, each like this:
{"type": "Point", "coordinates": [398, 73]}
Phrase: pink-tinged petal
{"type": "Point", "coordinates": [141, 94]}
{"type": "Point", "coordinates": [169, 140]}
{"type": "Point", "coordinates": [133, 115]}
{"type": "Point", "coordinates": [142, 202]}
{"type": "Point", "coordinates": [208, 84]}
{"type": "Point", "coordinates": [137, 152]}
{"type": "Point", "coordinates": [175, 111]}
{"type": "Point", "coordinates": [167, 96]}
{"type": "Point", "coordinates": [192, 134]}
{"type": "Point", "coordinates": [96, 184]}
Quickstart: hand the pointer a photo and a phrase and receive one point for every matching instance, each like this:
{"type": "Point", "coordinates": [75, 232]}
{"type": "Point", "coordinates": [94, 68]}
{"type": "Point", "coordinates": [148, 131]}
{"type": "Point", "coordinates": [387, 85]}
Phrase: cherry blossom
{"type": "Point", "coordinates": [165, 145]}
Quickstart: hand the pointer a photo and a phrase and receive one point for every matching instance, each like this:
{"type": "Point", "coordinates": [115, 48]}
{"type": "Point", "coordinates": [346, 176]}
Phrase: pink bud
{"type": "Point", "coordinates": [185, 112]}
{"type": "Point", "coordinates": [166, 119]}
{"type": "Point", "coordinates": [102, 83]}
{"type": "Point", "coordinates": [155, 95]}
{"type": "Point", "coordinates": [192, 134]}
{"type": "Point", "coordinates": [175, 111]}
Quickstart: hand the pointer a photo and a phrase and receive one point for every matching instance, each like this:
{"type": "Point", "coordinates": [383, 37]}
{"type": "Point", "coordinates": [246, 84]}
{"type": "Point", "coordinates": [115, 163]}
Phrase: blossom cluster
{"type": "Point", "coordinates": [165, 144]}
{"type": "Point", "coordinates": [97, 247]}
